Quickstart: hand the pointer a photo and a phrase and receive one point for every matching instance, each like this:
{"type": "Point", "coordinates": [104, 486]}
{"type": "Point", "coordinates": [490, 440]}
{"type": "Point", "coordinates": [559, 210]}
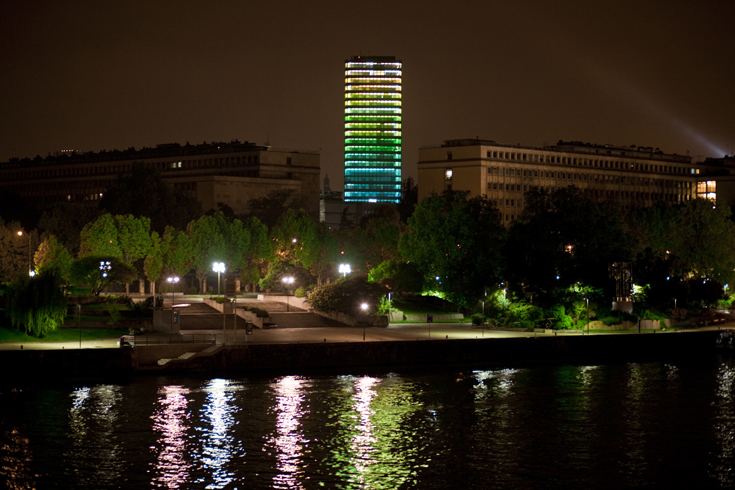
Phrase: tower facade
{"type": "Point", "coordinates": [373, 129]}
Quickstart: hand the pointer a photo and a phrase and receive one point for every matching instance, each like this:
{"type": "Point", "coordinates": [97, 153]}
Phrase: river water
{"type": "Point", "coordinates": [652, 425]}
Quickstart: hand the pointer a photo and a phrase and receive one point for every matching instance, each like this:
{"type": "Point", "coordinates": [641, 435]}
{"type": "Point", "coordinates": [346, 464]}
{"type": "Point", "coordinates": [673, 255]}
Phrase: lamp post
{"type": "Point", "coordinates": [364, 307]}
{"type": "Point", "coordinates": [105, 268]}
{"type": "Point", "coordinates": [287, 281]}
{"type": "Point", "coordinates": [218, 267]}
{"type": "Point", "coordinates": [79, 320]}
{"type": "Point", "coordinates": [172, 280]}
{"type": "Point", "coordinates": [676, 314]}
{"type": "Point", "coordinates": [30, 267]}
{"type": "Point", "coordinates": [344, 269]}
{"type": "Point", "coordinates": [587, 301]}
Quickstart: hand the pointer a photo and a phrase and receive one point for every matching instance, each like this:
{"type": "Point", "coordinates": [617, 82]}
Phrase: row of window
{"type": "Point", "coordinates": [99, 169]}
{"type": "Point", "coordinates": [585, 162]}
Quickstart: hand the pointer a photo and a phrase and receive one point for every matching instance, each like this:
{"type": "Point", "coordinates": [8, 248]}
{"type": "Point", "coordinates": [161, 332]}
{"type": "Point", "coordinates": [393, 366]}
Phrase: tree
{"type": "Point", "coordinates": [13, 251]}
{"type": "Point", "coordinates": [66, 220]}
{"type": "Point", "coordinates": [294, 239]}
{"type": "Point", "coordinates": [37, 303]}
{"type": "Point", "coordinates": [134, 238]}
{"type": "Point", "coordinates": [207, 246]}
{"type": "Point", "coordinates": [153, 262]}
{"type": "Point", "coordinates": [694, 240]}
{"type": "Point", "coordinates": [176, 251]}
{"type": "Point", "coordinates": [142, 192]}
{"type": "Point", "coordinates": [409, 199]}
{"type": "Point", "coordinates": [52, 255]}
{"type": "Point", "coordinates": [383, 228]}
{"type": "Point", "coordinates": [259, 250]}
{"type": "Point", "coordinates": [458, 240]}
{"type": "Point", "coordinates": [100, 237]}
{"type": "Point", "coordinates": [99, 271]}
{"type": "Point", "coordinates": [561, 238]}
{"type": "Point", "coordinates": [327, 253]}
{"type": "Point", "coordinates": [270, 209]}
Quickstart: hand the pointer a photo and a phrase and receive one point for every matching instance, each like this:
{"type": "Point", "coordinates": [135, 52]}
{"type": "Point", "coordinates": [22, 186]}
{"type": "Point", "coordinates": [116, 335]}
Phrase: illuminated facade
{"type": "Point", "coordinates": [630, 176]}
{"type": "Point", "coordinates": [372, 129]}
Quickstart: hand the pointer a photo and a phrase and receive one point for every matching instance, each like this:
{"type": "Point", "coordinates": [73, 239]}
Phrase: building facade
{"type": "Point", "coordinates": [216, 174]}
{"type": "Point", "coordinates": [631, 176]}
{"type": "Point", "coordinates": [373, 129]}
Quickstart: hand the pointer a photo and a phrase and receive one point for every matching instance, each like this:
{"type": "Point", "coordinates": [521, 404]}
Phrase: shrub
{"type": "Point", "coordinates": [192, 290]}
{"type": "Point", "coordinates": [122, 300]}
{"type": "Point", "coordinates": [386, 306]}
{"type": "Point", "coordinates": [154, 301]}
{"type": "Point", "coordinates": [478, 319]}
{"type": "Point", "coordinates": [561, 321]}
{"type": "Point", "coordinates": [346, 295]}
{"type": "Point", "coordinates": [300, 292]}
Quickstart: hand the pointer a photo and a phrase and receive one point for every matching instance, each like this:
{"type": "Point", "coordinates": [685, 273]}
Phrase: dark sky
{"type": "Point", "coordinates": [114, 74]}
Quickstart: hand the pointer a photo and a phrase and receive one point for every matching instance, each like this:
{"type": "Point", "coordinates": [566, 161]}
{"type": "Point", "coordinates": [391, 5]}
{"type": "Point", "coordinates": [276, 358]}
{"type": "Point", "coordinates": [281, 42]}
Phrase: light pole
{"type": "Point", "coordinates": [172, 280]}
{"type": "Point", "coordinates": [287, 281]}
{"type": "Point", "coordinates": [218, 267]}
{"type": "Point", "coordinates": [676, 314]}
{"type": "Point", "coordinates": [30, 267]}
{"type": "Point", "coordinates": [105, 268]}
{"type": "Point", "coordinates": [79, 319]}
{"type": "Point", "coordinates": [587, 301]}
{"type": "Point", "coordinates": [364, 308]}
{"type": "Point", "coordinates": [344, 269]}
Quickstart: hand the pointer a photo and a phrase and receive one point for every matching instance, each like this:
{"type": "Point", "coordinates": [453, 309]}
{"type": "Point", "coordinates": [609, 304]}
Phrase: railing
{"type": "Point", "coordinates": [194, 338]}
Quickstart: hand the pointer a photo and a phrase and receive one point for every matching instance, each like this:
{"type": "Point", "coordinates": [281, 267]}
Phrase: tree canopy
{"type": "Point", "coordinates": [457, 240]}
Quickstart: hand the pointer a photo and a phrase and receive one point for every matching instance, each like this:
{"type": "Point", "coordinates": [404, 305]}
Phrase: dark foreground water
{"type": "Point", "coordinates": [651, 425]}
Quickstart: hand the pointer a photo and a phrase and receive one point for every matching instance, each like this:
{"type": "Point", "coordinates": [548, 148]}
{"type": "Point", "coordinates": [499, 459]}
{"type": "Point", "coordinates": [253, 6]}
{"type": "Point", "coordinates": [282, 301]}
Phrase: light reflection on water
{"type": "Point", "coordinates": [94, 424]}
{"type": "Point", "coordinates": [723, 467]}
{"type": "Point", "coordinates": [171, 421]}
{"type": "Point", "coordinates": [218, 445]}
{"type": "Point", "coordinates": [288, 442]}
{"type": "Point", "coordinates": [571, 427]}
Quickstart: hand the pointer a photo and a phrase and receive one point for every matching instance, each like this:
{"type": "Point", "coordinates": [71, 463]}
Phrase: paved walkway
{"type": "Point", "coordinates": [298, 326]}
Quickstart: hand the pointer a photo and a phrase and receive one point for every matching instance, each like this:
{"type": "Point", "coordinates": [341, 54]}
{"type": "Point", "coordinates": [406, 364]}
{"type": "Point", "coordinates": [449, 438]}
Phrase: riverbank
{"type": "Point", "coordinates": [498, 352]}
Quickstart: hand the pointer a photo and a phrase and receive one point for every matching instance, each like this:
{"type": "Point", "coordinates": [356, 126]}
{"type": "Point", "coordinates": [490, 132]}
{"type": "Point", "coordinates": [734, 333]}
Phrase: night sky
{"type": "Point", "coordinates": [114, 74]}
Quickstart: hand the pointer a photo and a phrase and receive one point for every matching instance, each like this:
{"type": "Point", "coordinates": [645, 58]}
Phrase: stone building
{"type": "Point", "coordinates": [217, 174]}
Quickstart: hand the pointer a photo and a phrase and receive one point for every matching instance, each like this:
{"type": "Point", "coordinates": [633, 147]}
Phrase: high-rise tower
{"type": "Point", "coordinates": [372, 129]}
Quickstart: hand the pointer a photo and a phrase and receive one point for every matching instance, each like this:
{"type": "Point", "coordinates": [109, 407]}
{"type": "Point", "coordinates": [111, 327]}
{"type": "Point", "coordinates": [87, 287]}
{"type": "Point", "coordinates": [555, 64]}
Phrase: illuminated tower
{"type": "Point", "coordinates": [372, 129]}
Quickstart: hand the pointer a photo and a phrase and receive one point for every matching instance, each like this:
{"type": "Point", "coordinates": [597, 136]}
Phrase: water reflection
{"type": "Point", "coordinates": [724, 426]}
{"type": "Point", "coordinates": [15, 464]}
{"type": "Point", "coordinates": [218, 418]}
{"type": "Point", "coordinates": [94, 424]}
{"type": "Point", "coordinates": [362, 443]}
{"type": "Point", "coordinates": [171, 420]}
{"type": "Point", "coordinates": [289, 440]}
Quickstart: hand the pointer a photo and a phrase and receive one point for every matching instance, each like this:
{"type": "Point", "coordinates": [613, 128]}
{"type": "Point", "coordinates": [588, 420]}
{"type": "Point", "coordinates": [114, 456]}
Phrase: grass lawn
{"type": "Point", "coordinates": [62, 335]}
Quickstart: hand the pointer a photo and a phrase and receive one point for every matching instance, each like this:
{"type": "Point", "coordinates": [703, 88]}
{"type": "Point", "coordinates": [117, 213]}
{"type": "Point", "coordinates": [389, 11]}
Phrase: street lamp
{"type": "Point", "coordinates": [364, 308]}
{"type": "Point", "coordinates": [30, 267]}
{"type": "Point", "coordinates": [287, 281]}
{"type": "Point", "coordinates": [172, 280]}
{"type": "Point", "coordinates": [587, 301]}
{"type": "Point", "coordinates": [218, 267]}
{"type": "Point", "coordinates": [344, 269]}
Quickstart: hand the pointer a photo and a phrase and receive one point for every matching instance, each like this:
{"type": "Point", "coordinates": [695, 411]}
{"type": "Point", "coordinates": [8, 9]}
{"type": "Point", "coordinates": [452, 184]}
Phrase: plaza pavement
{"type": "Point", "coordinates": [235, 331]}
